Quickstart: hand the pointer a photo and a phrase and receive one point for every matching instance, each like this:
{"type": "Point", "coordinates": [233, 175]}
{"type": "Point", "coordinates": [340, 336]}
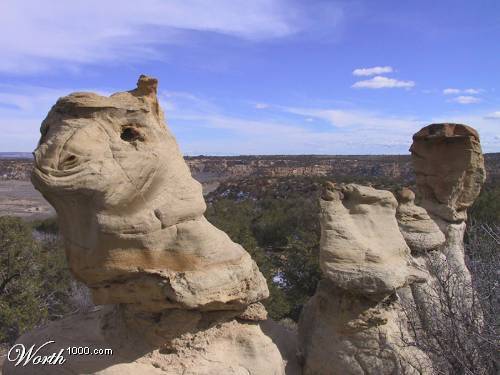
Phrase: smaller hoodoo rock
{"type": "Point", "coordinates": [420, 232]}
{"type": "Point", "coordinates": [181, 297]}
{"type": "Point", "coordinates": [350, 325]}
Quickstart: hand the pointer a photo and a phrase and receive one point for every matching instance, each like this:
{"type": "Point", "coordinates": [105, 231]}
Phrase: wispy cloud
{"type": "Point", "coordinates": [493, 116]}
{"type": "Point", "coordinates": [292, 130]}
{"type": "Point", "coordinates": [380, 82]}
{"type": "Point", "coordinates": [261, 105]}
{"type": "Point", "coordinates": [202, 126]}
{"type": "Point", "coordinates": [22, 109]}
{"type": "Point", "coordinates": [466, 99]}
{"type": "Point", "coordinates": [472, 91]}
{"type": "Point", "coordinates": [452, 91]}
{"type": "Point", "coordinates": [94, 31]}
{"type": "Point", "coordinates": [376, 70]}
{"type": "Point", "coordinates": [357, 119]}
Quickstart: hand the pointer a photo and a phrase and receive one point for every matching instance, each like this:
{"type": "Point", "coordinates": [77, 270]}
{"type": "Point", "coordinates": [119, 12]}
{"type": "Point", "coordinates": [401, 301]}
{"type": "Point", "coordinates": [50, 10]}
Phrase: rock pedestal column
{"type": "Point", "coordinates": [449, 168]}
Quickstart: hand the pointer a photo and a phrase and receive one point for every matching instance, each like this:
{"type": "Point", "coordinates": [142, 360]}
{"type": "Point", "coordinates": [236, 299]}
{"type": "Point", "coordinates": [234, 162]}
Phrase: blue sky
{"type": "Point", "coordinates": [261, 76]}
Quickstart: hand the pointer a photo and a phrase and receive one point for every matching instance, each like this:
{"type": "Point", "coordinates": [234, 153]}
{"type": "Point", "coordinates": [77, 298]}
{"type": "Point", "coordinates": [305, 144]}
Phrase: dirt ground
{"type": "Point", "coordinates": [19, 198]}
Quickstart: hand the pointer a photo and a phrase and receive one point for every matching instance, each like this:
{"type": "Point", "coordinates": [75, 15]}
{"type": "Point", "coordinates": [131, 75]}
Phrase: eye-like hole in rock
{"type": "Point", "coordinates": [69, 162]}
{"type": "Point", "coordinates": [131, 134]}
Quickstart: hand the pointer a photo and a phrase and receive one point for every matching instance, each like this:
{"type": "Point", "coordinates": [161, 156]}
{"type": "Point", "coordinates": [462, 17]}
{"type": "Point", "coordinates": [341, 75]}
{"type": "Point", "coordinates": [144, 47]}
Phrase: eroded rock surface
{"type": "Point", "coordinates": [351, 324]}
{"type": "Point", "coordinates": [231, 347]}
{"type": "Point", "coordinates": [450, 172]}
{"type": "Point", "coordinates": [184, 297]}
{"type": "Point", "coordinates": [362, 249]}
{"type": "Point", "coordinates": [449, 168]}
{"type": "Point", "coordinates": [420, 232]}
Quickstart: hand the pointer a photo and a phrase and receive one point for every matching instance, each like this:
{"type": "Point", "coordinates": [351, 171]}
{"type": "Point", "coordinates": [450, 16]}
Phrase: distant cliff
{"type": "Point", "coordinates": [216, 168]}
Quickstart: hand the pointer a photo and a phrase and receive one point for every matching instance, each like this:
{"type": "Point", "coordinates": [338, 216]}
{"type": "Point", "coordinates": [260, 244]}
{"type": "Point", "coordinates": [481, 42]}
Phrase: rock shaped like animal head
{"type": "Point", "coordinates": [99, 156]}
{"type": "Point", "coordinates": [130, 213]}
{"type": "Point", "coordinates": [362, 250]}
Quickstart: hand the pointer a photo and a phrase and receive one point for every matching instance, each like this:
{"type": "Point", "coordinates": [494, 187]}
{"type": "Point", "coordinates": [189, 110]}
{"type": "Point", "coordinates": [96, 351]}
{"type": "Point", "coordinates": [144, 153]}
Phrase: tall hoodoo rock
{"type": "Point", "coordinates": [350, 326]}
{"type": "Point", "coordinates": [449, 168]}
{"type": "Point", "coordinates": [131, 216]}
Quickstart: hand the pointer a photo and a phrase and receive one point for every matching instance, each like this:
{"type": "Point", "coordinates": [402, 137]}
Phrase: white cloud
{"type": "Point", "coordinates": [376, 70]}
{"type": "Point", "coordinates": [380, 82]}
{"type": "Point", "coordinates": [472, 91]}
{"type": "Point", "coordinates": [451, 91]}
{"type": "Point", "coordinates": [466, 99]}
{"type": "Point", "coordinates": [261, 106]}
{"type": "Point", "coordinates": [34, 34]}
{"type": "Point", "coordinates": [493, 116]}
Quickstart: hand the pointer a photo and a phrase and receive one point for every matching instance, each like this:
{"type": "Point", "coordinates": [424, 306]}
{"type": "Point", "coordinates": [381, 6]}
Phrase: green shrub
{"type": "Point", "coordinates": [33, 279]}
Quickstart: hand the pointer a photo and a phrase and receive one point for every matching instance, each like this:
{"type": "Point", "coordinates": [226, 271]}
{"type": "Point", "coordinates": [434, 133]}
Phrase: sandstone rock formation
{"type": "Point", "coordinates": [450, 172]}
{"type": "Point", "coordinates": [354, 324]}
{"type": "Point", "coordinates": [350, 326]}
{"type": "Point", "coordinates": [420, 232]}
{"type": "Point", "coordinates": [354, 255]}
{"type": "Point", "coordinates": [131, 217]}
{"type": "Point", "coordinates": [449, 168]}
{"type": "Point", "coordinates": [131, 214]}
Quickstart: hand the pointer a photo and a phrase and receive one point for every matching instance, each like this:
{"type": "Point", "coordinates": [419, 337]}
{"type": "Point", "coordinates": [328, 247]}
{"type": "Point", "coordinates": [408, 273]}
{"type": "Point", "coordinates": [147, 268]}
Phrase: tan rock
{"type": "Point", "coordinates": [346, 334]}
{"type": "Point", "coordinates": [449, 168]}
{"type": "Point", "coordinates": [181, 297]}
{"type": "Point", "coordinates": [351, 324]}
{"type": "Point", "coordinates": [362, 249]}
{"type": "Point", "coordinates": [201, 346]}
{"type": "Point", "coordinates": [420, 232]}
{"type": "Point", "coordinates": [130, 213]}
